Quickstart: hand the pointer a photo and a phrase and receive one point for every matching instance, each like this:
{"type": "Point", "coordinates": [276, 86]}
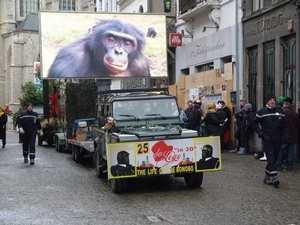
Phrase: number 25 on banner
{"type": "Point", "coordinates": [142, 147]}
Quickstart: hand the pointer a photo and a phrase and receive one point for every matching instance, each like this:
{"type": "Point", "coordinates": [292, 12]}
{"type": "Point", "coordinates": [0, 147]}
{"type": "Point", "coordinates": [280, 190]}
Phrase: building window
{"type": "Point", "coordinates": [257, 5]}
{"type": "Point", "coordinates": [205, 67]}
{"type": "Point", "coordinates": [252, 71]}
{"type": "Point", "coordinates": [269, 69]}
{"type": "Point", "coordinates": [289, 68]}
{"type": "Point", "coordinates": [29, 6]}
{"type": "Point", "coordinates": [67, 5]}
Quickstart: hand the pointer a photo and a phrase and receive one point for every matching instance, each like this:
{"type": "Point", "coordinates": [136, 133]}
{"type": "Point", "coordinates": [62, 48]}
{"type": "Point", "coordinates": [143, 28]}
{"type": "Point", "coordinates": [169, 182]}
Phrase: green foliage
{"type": "Point", "coordinates": [80, 102]}
{"type": "Point", "coordinates": [30, 94]}
{"type": "Point", "coordinates": [53, 84]}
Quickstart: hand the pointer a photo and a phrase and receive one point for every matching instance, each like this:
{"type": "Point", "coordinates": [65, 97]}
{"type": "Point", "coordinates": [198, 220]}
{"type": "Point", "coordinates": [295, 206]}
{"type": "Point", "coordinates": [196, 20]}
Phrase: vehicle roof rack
{"type": "Point", "coordinates": [106, 93]}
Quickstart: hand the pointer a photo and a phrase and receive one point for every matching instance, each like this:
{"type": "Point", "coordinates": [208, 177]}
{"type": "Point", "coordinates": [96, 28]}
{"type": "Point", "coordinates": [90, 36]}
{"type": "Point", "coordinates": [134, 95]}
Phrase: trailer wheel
{"type": "Point", "coordinates": [78, 155]}
{"type": "Point", "coordinates": [193, 179]}
{"type": "Point", "coordinates": [58, 147]}
{"type": "Point", "coordinates": [119, 185]}
{"type": "Point", "coordinates": [40, 140]}
{"type": "Point", "coordinates": [73, 152]}
{"type": "Point", "coordinates": [100, 167]}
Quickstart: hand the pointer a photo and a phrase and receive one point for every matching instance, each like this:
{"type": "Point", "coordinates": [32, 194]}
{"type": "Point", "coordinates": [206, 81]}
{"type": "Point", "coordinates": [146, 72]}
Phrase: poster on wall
{"type": "Point", "coordinates": [79, 45]}
{"type": "Point", "coordinates": [193, 93]}
{"type": "Point", "coordinates": [211, 98]}
{"type": "Point", "coordinates": [151, 158]}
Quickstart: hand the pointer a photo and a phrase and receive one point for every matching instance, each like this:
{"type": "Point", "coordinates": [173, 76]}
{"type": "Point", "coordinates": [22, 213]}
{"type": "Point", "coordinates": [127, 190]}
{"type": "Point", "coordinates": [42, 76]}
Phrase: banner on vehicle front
{"type": "Point", "coordinates": [159, 157]}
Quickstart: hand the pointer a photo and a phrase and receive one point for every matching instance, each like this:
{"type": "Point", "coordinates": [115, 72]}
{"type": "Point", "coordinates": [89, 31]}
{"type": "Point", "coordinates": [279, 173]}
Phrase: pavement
{"type": "Point", "coordinates": [58, 191]}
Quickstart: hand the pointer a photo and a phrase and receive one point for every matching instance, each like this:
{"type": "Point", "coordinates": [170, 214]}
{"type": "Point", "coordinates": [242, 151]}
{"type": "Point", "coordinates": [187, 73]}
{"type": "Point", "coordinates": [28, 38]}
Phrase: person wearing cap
{"type": "Point", "coordinates": [271, 126]}
{"type": "Point", "coordinates": [247, 128]}
{"type": "Point", "coordinates": [29, 123]}
{"type": "Point", "coordinates": [280, 100]}
{"type": "Point", "coordinates": [238, 115]}
{"type": "Point", "coordinates": [213, 123]}
{"type": "Point", "coordinates": [287, 148]}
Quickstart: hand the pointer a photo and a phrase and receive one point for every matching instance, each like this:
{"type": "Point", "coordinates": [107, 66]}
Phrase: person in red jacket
{"type": "Point", "coordinates": [53, 99]}
{"type": "Point", "coordinates": [287, 148]}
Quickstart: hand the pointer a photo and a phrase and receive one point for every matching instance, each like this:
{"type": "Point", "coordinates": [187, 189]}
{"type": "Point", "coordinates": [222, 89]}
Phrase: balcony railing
{"type": "Point", "coordinates": [185, 5]}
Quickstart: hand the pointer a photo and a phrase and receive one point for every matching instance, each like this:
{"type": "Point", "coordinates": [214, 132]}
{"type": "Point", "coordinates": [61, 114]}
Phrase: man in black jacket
{"type": "Point", "coordinates": [271, 126]}
{"type": "Point", "coordinates": [208, 161]}
{"type": "Point", "coordinates": [238, 115]}
{"type": "Point", "coordinates": [123, 168]}
{"type": "Point", "coordinates": [29, 123]}
{"type": "Point", "coordinates": [189, 112]}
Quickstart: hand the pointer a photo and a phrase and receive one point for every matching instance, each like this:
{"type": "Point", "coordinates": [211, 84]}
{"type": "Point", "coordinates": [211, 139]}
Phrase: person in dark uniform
{"type": "Point", "coordinates": [29, 123]}
{"type": "Point", "coordinates": [123, 167]}
{"type": "Point", "coordinates": [3, 121]}
{"type": "Point", "coordinates": [238, 115]}
{"type": "Point", "coordinates": [271, 126]}
{"type": "Point", "coordinates": [208, 161]}
{"type": "Point", "coordinates": [18, 123]}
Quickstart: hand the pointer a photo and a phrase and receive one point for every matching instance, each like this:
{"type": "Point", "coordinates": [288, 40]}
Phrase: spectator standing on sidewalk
{"type": "Point", "coordinates": [280, 100]}
{"type": "Point", "coordinates": [271, 126]}
{"type": "Point", "coordinates": [247, 128]}
{"type": "Point", "coordinates": [29, 124]}
{"type": "Point", "coordinates": [3, 121]}
{"type": "Point", "coordinates": [227, 125]}
{"type": "Point", "coordinates": [287, 148]}
{"type": "Point", "coordinates": [197, 117]}
{"type": "Point", "coordinates": [189, 112]}
{"type": "Point", "coordinates": [213, 124]}
{"type": "Point", "coordinates": [239, 118]}
{"type": "Point", "coordinates": [222, 116]}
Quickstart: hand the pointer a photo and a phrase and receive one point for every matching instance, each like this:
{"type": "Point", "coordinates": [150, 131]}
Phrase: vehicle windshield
{"type": "Point", "coordinates": [141, 109]}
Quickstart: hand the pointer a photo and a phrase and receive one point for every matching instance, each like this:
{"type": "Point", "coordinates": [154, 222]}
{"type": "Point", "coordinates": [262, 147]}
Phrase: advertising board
{"type": "Point", "coordinates": [150, 158]}
{"type": "Point", "coordinates": [79, 45]}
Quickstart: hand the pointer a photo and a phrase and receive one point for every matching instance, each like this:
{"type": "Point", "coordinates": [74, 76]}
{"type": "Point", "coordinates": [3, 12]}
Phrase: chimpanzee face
{"type": "Point", "coordinates": [118, 48]}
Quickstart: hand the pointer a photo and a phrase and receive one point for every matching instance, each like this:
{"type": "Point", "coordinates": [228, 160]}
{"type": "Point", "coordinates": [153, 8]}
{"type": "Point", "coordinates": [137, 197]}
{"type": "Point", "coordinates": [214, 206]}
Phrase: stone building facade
{"type": "Point", "coordinates": [19, 43]}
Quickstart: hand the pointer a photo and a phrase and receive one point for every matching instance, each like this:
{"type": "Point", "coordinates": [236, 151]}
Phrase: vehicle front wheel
{"type": "Point", "coordinates": [193, 179]}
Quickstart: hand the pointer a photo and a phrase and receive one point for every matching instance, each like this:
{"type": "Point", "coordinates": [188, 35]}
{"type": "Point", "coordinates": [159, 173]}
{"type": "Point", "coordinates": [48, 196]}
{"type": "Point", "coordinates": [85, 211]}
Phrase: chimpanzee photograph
{"type": "Point", "coordinates": [151, 32]}
{"type": "Point", "coordinates": [112, 48]}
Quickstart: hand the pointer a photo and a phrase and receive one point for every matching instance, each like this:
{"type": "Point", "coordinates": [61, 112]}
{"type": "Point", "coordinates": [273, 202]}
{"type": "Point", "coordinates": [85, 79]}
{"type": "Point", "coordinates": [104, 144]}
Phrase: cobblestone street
{"type": "Point", "coordinates": [58, 191]}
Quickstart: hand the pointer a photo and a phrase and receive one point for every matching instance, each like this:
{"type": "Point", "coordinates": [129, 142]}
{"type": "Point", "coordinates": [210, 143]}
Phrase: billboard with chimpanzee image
{"type": "Point", "coordinates": [79, 45]}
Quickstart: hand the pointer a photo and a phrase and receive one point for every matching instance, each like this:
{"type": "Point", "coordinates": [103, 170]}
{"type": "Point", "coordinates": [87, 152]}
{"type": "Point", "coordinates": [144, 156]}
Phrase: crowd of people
{"type": "Point", "coordinates": [277, 125]}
